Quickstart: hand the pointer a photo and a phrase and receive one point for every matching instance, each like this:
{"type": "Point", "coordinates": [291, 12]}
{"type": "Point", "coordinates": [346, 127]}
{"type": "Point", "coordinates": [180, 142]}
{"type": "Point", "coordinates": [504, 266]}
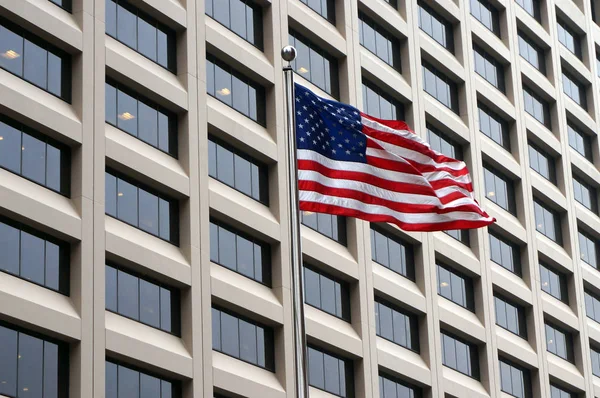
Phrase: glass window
{"type": "Point", "coordinates": [499, 189]}
{"type": "Point", "coordinates": [537, 107]}
{"type": "Point", "coordinates": [125, 382]}
{"type": "Point", "coordinates": [332, 226]}
{"type": "Point", "coordinates": [330, 373]}
{"type": "Point", "coordinates": [140, 207]}
{"type": "Point", "coordinates": [592, 306]}
{"type": "Point", "coordinates": [514, 380]}
{"type": "Point", "coordinates": [554, 283]}
{"type": "Point", "coordinates": [460, 355]}
{"type": "Point", "coordinates": [568, 38]}
{"type": "Point", "coordinates": [314, 64]}
{"type": "Point", "coordinates": [557, 392]}
{"type": "Point", "coordinates": [392, 252]}
{"type": "Point", "coordinates": [379, 41]}
{"type": "Point", "coordinates": [532, 7]}
{"type": "Point", "coordinates": [542, 163]}
{"type": "Point", "coordinates": [390, 387]}
{"type": "Point", "coordinates": [33, 156]}
{"type": "Point", "coordinates": [487, 14]}
{"type": "Point", "coordinates": [574, 90]}
{"type": "Point", "coordinates": [510, 316]}
{"type": "Point", "coordinates": [493, 126]}
{"type": "Point", "coordinates": [243, 339]}
{"type": "Point", "coordinates": [505, 254]}
{"type": "Point", "coordinates": [559, 342]}
{"type": "Point", "coordinates": [152, 39]}
{"type": "Point", "coordinates": [531, 52]}
{"type": "Point", "coordinates": [141, 118]}
{"type": "Point", "coordinates": [489, 68]}
{"type": "Point", "coordinates": [379, 104]}
{"type": "Point", "coordinates": [595, 362]}
{"type": "Point", "coordinates": [242, 17]}
{"type": "Point", "coordinates": [325, 8]}
{"type": "Point", "coordinates": [455, 287]}
{"type": "Point", "coordinates": [588, 249]}
{"type": "Point", "coordinates": [66, 4]}
{"type": "Point", "coordinates": [440, 87]}
{"type": "Point", "coordinates": [580, 141]}
{"type": "Point", "coordinates": [33, 256]}
{"type": "Point", "coordinates": [585, 194]}
{"type": "Point", "coordinates": [326, 293]}
{"type": "Point", "coordinates": [436, 26]}
{"type": "Point", "coordinates": [34, 60]}
{"type": "Point", "coordinates": [547, 222]}
{"type": "Point", "coordinates": [396, 325]}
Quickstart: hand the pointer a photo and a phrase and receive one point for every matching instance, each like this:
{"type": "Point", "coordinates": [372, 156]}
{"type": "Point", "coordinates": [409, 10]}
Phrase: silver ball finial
{"type": "Point", "coordinates": [288, 53]}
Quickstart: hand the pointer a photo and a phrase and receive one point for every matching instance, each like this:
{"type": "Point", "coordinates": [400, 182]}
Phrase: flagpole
{"type": "Point", "coordinates": [288, 53]}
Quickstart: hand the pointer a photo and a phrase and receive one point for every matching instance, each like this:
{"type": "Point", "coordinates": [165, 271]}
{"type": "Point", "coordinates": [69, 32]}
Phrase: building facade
{"type": "Point", "coordinates": [144, 233]}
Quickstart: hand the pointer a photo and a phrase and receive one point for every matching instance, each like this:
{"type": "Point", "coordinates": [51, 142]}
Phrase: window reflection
{"type": "Point", "coordinates": [380, 105]}
{"type": "Point", "coordinates": [330, 373]}
{"type": "Point", "coordinates": [330, 225]}
{"type": "Point", "coordinates": [243, 17]}
{"type": "Point", "coordinates": [125, 382]}
{"type": "Point", "coordinates": [326, 293]}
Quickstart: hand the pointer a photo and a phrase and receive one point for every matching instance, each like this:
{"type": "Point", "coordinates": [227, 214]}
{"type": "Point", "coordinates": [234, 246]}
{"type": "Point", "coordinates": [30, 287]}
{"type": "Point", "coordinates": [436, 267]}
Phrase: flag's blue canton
{"type": "Point", "coordinates": [328, 127]}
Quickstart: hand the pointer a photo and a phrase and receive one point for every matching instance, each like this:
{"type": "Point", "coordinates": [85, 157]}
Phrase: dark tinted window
{"type": "Point", "coordinates": [331, 226]}
{"type": "Point", "coordinates": [390, 387]}
{"type": "Point", "coordinates": [143, 300]}
{"type": "Point", "coordinates": [580, 141]}
{"type": "Point", "coordinates": [510, 316]}
{"type": "Point", "coordinates": [242, 17]}
{"type": "Point", "coordinates": [330, 373]}
{"type": "Point", "coordinates": [396, 325]}
{"type": "Point", "coordinates": [440, 87]}
{"type": "Point", "coordinates": [141, 32]}
{"type": "Point", "coordinates": [29, 154]}
{"type": "Point", "coordinates": [514, 380]}
{"type": "Point", "coordinates": [392, 252]}
{"type": "Point", "coordinates": [569, 38]}
{"type": "Point", "coordinates": [556, 392]}
{"type": "Point", "coordinates": [34, 256]}
{"type": "Point", "coordinates": [585, 194]}
{"type": "Point", "coordinates": [542, 163]}
{"type": "Point", "coordinates": [235, 90]}
{"type": "Point", "coordinates": [574, 90]}
{"type": "Point", "coordinates": [505, 253]}
{"type": "Point", "coordinates": [455, 287]}
{"type": "Point", "coordinates": [139, 207]}
{"type": "Point", "coordinates": [532, 7]}
{"type": "Point", "coordinates": [532, 53]}
{"type": "Point", "coordinates": [136, 115]}
{"type": "Point", "coordinates": [499, 189]}
{"type": "Point", "coordinates": [436, 26]}
{"type": "Point", "coordinates": [32, 366]}
{"type": "Point", "coordinates": [595, 362]}
{"type": "Point", "coordinates": [493, 126]}
{"type": "Point", "coordinates": [547, 222]}
{"type": "Point", "coordinates": [66, 4]}
{"type": "Point", "coordinates": [537, 107]}
{"type": "Point", "coordinates": [379, 41]}
{"type": "Point", "coordinates": [588, 249]}
{"type": "Point", "coordinates": [487, 14]}
{"type": "Point", "coordinates": [488, 68]}
{"type": "Point", "coordinates": [314, 64]}
{"type": "Point", "coordinates": [325, 8]}
{"type": "Point", "coordinates": [460, 355]}
{"type": "Point", "coordinates": [125, 382]}
{"type": "Point", "coordinates": [240, 253]}
{"type": "Point", "coordinates": [326, 293]}
{"type": "Point", "coordinates": [242, 339]}
{"type": "Point", "coordinates": [238, 170]}
{"type": "Point", "coordinates": [554, 283]}
{"type": "Point", "coordinates": [559, 342]}
{"type": "Point", "coordinates": [380, 105]}
{"type": "Point", "coordinates": [34, 60]}
{"type": "Point", "coordinates": [592, 306]}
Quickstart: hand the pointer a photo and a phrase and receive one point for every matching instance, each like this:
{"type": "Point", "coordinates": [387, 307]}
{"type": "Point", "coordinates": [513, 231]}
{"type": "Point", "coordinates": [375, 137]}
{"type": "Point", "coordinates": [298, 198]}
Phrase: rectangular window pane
{"type": "Point", "coordinates": [455, 287]}
{"type": "Point", "coordinates": [326, 293]}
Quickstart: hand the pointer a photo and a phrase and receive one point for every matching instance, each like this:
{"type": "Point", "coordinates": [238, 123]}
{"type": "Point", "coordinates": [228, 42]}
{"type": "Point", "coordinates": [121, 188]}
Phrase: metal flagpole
{"type": "Point", "coordinates": [288, 53]}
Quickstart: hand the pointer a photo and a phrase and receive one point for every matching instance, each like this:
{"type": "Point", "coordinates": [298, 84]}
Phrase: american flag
{"type": "Point", "coordinates": [353, 164]}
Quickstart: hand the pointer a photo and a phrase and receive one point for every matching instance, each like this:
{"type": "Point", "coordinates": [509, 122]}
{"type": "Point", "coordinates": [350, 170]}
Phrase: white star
{"type": "Point", "coordinates": [314, 142]}
{"type": "Point", "coordinates": [356, 113]}
{"type": "Point", "coordinates": [326, 130]}
{"type": "Point", "coordinates": [354, 135]}
{"type": "Point", "coordinates": [305, 108]}
{"type": "Point", "coordinates": [297, 99]}
{"type": "Point", "coordinates": [333, 151]}
{"type": "Point", "coordinates": [308, 134]}
{"type": "Point", "coordinates": [352, 125]}
{"type": "Point", "coordinates": [341, 121]}
{"type": "Point", "coordinates": [333, 138]}
{"type": "Point", "coordinates": [313, 102]}
{"type": "Point", "coordinates": [353, 148]}
{"type": "Point", "coordinates": [301, 126]}
{"type": "Point", "coordinates": [301, 139]}
{"type": "Point", "coordinates": [313, 128]}
{"type": "Point", "coordinates": [306, 94]}
{"type": "Point", "coordinates": [305, 120]}
{"type": "Point", "coordinates": [360, 144]}
{"type": "Point", "coordinates": [323, 147]}
{"type": "Point", "coordinates": [345, 117]}
{"type": "Point", "coordinates": [347, 141]}
{"type": "Point", "coordinates": [299, 113]}
{"type": "Point", "coordinates": [360, 154]}
{"type": "Point", "coordinates": [339, 110]}
{"type": "Point", "coordinates": [340, 145]}
{"type": "Point", "coordinates": [311, 116]}
{"type": "Point", "coordinates": [347, 152]}
{"type": "Point", "coordinates": [327, 143]}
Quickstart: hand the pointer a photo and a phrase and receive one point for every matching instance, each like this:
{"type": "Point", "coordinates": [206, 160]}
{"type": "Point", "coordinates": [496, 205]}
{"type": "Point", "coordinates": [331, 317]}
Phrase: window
{"type": "Point", "coordinates": [142, 300]}
{"type": "Point", "coordinates": [588, 249]}
{"type": "Point", "coordinates": [379, 41]}
{"type": "Point", "coordinates": [574, 90]}
{"type": "Point", "coordinates": [436, 26]}
{"type": "Point", "coordinates": [569, 39]}
{"type": "Point", "coordinates": [325, 8]}
{"type": "Point", "coordinates": [510, 317]}
{"type": "Point", "coordinates": [390, 387]}
{"type": "Point", "coordinates": [66, 4]}
{"type": "Point", "coordinates": [35, 257]}
{"type": "Point", "coordinates": [585, 194]}
{"type": "Point", "coordinates": [487, 14]}
{"type": "Point", "coordinates": [514, 380]}
{"type": "Point", "coordinates": [532, 53]}
{"type": "Point", "coordinates": [493, 126]}
{"type": "Point", "coordinates": [542, 163]}
{"type": "Point", "coordinates": [499, 190]}
{"type": "Point", "coordinates": [139, 207]}
{"type": "Point", "coordinates": [141, 118]}
{"type": "Point", "coordinates": [33, 156]}
{"type": "Point", "coordinates": [396, 325]}
{"type": "Point", "coordinates": [460, 355]}
{"type": "Point", "coordinates": [333, 227]}
{"type": "Point", "coordinates": [489, 68]}
{"type": "Point", "coordinates": [580, 141]}
{"type": "Point", "coordinates": [243, 339]}
{"type": "Point", "coordinates": [592, 306]}
{"type": "Point", "coordinates": [34, 60]}
{"type": "Point", "coordinates": [537, 107]}
{"type": "Point", "coordinates": [392, 252]}
{"type": "Point", "coordinates": [330, 373]}
{"type": "Point", "coordinates": [235, 90]}
{"type": "Point", "coordinates": [505, 253]}
{"type": "Point", "coordinates": [238, 170]}
{"type": "Point", "coordinates": [380, 105]}
{"type": "Point", "coordinates": [240, 253]}
{"type": "Point", "coordinates": [455, 287]}
{"type": "Point", "coordinates": [141, 33]}
{"type": "Point", "coordinates": [595, 362]}
{"type": "Point", "coordinates": [547, 222]}
{"type": "Point", "coordinates": [554, 283]}
{"type": "Point", "coordinates": [242, 17]}
{"type": "Point", "coordinates": [556, 392]}
{"type": "Point", "coordinates": [559, 343]}
{"type": "Point", "coordinates": [440, 87]}
{"type": "Point", "coordinates": [32, 364]}
{"type": "Point", "coordinates": [326, 293]}
{"type": "Point", "coordinates": [125, 382]}
{"type": "Point", "coordinates": [314, 64]}
{"type": "Point", "coordinates": [532, 7]}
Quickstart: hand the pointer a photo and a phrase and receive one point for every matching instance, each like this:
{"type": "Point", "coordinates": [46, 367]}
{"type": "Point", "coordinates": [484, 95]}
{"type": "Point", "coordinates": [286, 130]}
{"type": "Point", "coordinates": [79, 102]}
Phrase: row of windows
{"type": "Point", "coordinates": [488, 68]}
{"type": "Point", "coordinates": [380, 105]}
{"type": "Point", "coordinates": [242, 17]}
{"type": "Point", "coordinates": [379, 41]}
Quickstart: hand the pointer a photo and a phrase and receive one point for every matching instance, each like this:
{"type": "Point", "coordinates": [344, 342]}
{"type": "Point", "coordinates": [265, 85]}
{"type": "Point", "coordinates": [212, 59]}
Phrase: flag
{"type": "Point", "coordinates": [352, 164]}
